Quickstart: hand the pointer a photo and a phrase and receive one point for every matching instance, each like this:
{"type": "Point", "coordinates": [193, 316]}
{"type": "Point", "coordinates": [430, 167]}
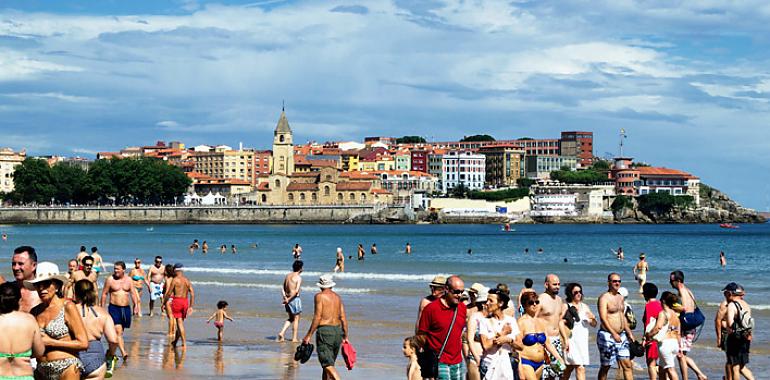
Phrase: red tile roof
{"type": "Point", "coordinates": [359, 175]}
{"type": "Point", "coordinates": [298, 186]}
{"type": "Point", "coordinates": [380, 191]}
{"type": "Point", "coordinates": [305, 174]}
{"type": "Point", "coordinates": [263, 186]}
{"type": "Point", "coordinates": [660, 171]}
{"type": "Point", "coordinates": [324, 163]}
{"type": "Point", "coordinates": [354, 186]}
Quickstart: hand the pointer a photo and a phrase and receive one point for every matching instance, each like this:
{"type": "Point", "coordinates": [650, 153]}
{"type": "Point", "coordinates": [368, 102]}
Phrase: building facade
{"type": "Point", "coordinates": [504, 164]}
{"type": "Point", "coordinates": [419, 160]}
{"type": "Point", "coordinates": [9, 160]}
{"type": "Point", "coordinates": [579, 144]}
{"type": "Point", "coordinates": [540, 167]}
{"type": "Point", "coordinates": [463, 168]}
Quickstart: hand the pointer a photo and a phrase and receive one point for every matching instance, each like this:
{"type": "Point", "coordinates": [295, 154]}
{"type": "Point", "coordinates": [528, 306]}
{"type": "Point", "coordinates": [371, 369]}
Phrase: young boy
{"type": "Point", "coordinates": [219, 317]}
{"type": "Point", "coordinates": [411, 345]}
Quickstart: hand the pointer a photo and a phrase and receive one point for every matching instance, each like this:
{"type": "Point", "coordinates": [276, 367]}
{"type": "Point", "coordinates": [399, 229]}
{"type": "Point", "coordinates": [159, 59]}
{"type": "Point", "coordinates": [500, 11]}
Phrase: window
{"type": "Point", "coordinates": [291, 197]}
{"type": "Point", "coordinates": [339, 197]}
{"type": "Point", "coordinates": [278, 184]}
{"type": "Point", "coordinates": [352, 197]}
{"type": "Point", "coordinates": [302, 197]}
{"type": "Point", "coordinates": [280, 138]}
{"type": "Point", "coordinates": [326, 190]}
{"type": "Point", "coordinates": [314, 197]}
{"type": "Point", "coordinates": [264, 198]}
{"type": "Point", "coordinates": [363, 197]}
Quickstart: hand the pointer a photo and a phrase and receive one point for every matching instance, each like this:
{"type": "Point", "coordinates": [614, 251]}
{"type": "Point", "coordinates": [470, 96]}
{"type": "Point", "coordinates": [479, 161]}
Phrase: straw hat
{"type": "Point", "coordinates": [438, 280]}
{"type": "Point", "coordinates": [623, 292]}
{"type": "Point", "coordinates": [325, 281]}
{"type": "Point", "coordinates": [46, 270]}
{"type": "Point", "coordinates": [476, 288]}
{"type": "Point", "coordinates": [483, 294]}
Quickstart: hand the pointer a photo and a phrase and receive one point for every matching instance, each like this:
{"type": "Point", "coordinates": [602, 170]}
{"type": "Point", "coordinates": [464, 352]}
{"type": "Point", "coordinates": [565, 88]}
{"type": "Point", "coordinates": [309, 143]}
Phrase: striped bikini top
{"type": "Point", "coordinates": [57, 328]}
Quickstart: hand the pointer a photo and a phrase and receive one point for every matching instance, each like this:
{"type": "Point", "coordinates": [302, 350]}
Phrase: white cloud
{"type": "Point", "coordinates": [16, 66]}
{"type": "Point", "coordinates": [51, 95]}
{"type": "Point", "coordinates": [167, 124]}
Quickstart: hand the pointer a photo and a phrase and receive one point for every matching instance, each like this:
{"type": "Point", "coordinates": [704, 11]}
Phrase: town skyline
{"type": "Point", "coordinates": [687, 82]}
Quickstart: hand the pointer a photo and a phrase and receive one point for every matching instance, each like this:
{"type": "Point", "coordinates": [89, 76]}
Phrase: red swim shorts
{"type": "Point", "coordinates": [179, 307]}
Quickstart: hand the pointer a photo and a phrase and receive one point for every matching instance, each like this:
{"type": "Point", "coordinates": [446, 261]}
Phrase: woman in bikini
{"type": "Point", "coordinates": [98, 323]}
{"type": "Point", "coordinates": [535, 343]}
{"type": "Point", "coordinates": [20, 339]}
{"type": "Point", "coordinates": [139, 279]}
{"type": "Point", "coordinates": [64, 333]}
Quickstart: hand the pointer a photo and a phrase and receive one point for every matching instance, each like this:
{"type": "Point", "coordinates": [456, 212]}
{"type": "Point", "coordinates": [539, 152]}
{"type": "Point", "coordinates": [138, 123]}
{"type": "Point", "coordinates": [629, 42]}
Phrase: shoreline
{"type": "Point", "coordinates": [318, 214]}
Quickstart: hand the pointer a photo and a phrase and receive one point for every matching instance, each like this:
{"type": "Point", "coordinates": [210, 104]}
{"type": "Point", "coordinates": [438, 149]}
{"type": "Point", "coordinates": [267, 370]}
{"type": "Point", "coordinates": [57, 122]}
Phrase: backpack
{"type": "Point", "coordinates": [744, 322]}
{"type": "Point", "coordinates": [630, 317]}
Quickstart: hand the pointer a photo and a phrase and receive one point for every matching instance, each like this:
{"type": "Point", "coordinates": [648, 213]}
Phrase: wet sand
{"type": "Point", "coordinates": [249, 351]}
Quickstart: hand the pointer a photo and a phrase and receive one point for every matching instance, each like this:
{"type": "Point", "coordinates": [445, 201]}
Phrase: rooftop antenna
{"type": "Point", "coordinates": [622, 137]}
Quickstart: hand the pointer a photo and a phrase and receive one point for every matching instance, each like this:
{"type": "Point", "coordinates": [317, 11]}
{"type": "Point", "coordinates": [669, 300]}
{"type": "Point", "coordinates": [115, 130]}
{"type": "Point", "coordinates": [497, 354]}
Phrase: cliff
{"type": "Point", "coordinates": [715, 207]}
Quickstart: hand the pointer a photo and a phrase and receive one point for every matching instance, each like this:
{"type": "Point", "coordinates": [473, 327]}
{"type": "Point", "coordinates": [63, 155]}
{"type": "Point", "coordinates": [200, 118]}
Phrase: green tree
{"type": "Point", "coordinates": [662, 203]}
{"type": "Point", "coordinates": [477, 138]}
{"type": "Point", "coordinates": [459, 191]}
{"type": "Point", "coordinates": [601, 165]}
{"type": "Point", "coordinates": [621, 202]}
{"type": "Point", "coordinates": [71, 184]}
{"type": "Point", "coordinates": [500, 195]}
{"type": "Point", "coordinates": [587, 177]}
{"type": "Point", "coordinates": [411, 140]}
{"type": "Point", "coordinates": [33, 182]}
{"type": "Point", "coordinates": [525, 182]}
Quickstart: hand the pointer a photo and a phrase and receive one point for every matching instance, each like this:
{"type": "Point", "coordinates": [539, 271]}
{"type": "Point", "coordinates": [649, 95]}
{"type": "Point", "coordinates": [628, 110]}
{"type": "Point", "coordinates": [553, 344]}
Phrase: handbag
{"type": "Point", "coordinates": [428, 359]}
{"type": "Point", "coordinates": [692, 320]}
{"type": "Point", "coordinates": [661, 334]}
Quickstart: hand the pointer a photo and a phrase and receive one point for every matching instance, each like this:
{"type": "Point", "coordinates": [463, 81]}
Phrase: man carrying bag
{"type": "Point", "coordinates": [442, 323]}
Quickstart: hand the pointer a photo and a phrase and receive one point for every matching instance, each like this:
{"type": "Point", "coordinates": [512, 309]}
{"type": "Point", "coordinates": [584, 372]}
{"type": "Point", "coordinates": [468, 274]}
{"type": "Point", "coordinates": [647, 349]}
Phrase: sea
{"type": "Point", "coordinates": [381, 293]}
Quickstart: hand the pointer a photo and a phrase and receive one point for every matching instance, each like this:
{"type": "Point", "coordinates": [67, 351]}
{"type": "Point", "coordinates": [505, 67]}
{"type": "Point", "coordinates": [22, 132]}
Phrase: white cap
{"type": "Point", "coordinates": [623, 291]}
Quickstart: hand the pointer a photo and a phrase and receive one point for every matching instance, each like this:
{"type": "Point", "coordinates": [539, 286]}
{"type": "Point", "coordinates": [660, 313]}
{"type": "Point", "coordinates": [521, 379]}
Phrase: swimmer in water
{"type": "Point", "coordinates": [722, 259]}
{"type": "Point", "coordinates": [408, 250]}
{"type": "Point", "coordinates": [470, 251]}
{"type": "Point", "coordinates": [5, 236]}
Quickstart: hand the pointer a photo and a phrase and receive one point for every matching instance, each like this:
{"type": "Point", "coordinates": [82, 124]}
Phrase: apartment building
{"type": "Point", "coordinates": [9, 159]}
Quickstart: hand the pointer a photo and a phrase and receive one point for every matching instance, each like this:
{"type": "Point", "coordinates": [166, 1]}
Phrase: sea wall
{"type": "Point", "coordinates": [200, 214]}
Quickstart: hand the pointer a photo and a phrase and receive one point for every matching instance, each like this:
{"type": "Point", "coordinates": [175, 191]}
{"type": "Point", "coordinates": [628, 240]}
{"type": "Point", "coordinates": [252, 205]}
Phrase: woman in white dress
{"type": "Point", "coordinates": [577, 356]}
{"type": "Point", "coordinates": [499, 336]}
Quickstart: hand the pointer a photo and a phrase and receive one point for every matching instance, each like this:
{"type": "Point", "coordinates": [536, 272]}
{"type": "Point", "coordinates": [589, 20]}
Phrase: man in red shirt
{"type": "Point", "coordinates": [652, 309]}
{"type": "Point", "coordinates": [435, 323]}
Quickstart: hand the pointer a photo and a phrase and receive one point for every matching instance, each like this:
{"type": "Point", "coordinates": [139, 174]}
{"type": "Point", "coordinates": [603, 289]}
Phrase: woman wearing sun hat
{"type": "Point", "coordinates": [437, 288]}
{"type": "Point", "coordinates": [20, 339]}
{"type": "Point", "coordinates": [64, 334]}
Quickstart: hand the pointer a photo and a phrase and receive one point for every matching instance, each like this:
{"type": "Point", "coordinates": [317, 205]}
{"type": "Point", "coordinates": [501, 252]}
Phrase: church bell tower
{"type": "Point", "coordinates": [283, 147]}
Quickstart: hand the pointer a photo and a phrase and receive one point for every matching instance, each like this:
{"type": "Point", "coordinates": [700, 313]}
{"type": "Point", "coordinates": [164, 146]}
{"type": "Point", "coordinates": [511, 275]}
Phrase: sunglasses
{"type": "Point", "coordinates": [576, 292]}
{"type": "Point", "coordinates": [532, 303]}
{"type": "Point", "coordinates": [615, 281]}
{"type": "Point", "coordinates": [457, 292]}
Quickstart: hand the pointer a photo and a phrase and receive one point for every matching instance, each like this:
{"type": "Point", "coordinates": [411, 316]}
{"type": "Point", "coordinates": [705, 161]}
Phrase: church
{"type": "Point", "coordinates": [322, 185]}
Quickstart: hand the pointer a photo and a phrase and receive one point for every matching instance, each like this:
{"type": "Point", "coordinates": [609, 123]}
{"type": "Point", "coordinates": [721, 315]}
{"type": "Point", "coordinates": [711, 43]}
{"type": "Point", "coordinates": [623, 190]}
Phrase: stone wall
{"type": "Point", "coordinates": [192, 215]}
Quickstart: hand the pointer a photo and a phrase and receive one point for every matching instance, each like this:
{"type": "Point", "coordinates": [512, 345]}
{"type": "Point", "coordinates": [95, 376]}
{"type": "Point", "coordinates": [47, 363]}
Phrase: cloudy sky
{"type": "Point", "coordinates": [688, 81]}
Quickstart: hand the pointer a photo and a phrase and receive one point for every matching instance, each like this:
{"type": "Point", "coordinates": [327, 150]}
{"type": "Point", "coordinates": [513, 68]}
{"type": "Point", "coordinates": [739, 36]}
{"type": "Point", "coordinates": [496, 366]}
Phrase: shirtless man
{"type": "Point", "coordinates": [720, 325]}
{"type": "Point", "coordinates": [72, 267]}
{"type": "Point", "coordinates": [155, 285]}
{"type": "Point", "coordinates": [121, 292]}
{"type": "Point", "coordinates": [24, 265]}
{"type": "Point", "coordinates": [178, 290]}
{"type": "Point", "coordinates": [640, 270]}
{"type": "Point", "coordinates": [676, 279]}
{"type": "Point", "coordinates": [408, 249]}
{"type": "Point", "coordinates": [194, 246]}
{"type": "Point", "coordinates": [373, 250]}
{"type": "Point", "coordinates": [291, 300]}
{"type": "Point", "coordinates": [339, 266]}
{"type": "Point", "coordinates": [330, 326]}
{"type": "Point", "coordinates": [297, 252]}
{"type": "Point", "coordinates": [437, 289]}
{"type": "Point", "coordinates": [360, 251]}
{"type": "Point", "coordinates": [614, 335]}
{"type": "Point", "coordinates": [552, 309]}
{"type": "Point", "coordinates": [87, 273]}
{"type": "Point", "coordinates": [205, 247]}
{"type": "Point", "coordinates": [139, 278]}
{"type": "Point", "coordinates": [738, 343]}
{"type": "Point", "coordinates": [83, 253]}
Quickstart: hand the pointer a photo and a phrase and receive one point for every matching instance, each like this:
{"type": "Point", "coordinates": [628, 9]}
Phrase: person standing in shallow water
{"type": "Point", "coordinates": [373, 250]}
{"type": "Point", "coordinates": [291, 301]}
{"type": "Point", "coordinates": [360, 251]}
{"type": "Point", "coordinates": [640, 270]}
{"type": "Point", "coordinates": [722, 259]}
{"type": "Point", "coordinates": [339, 265]}
{"type": "Point", "coordinates": [408, 249]}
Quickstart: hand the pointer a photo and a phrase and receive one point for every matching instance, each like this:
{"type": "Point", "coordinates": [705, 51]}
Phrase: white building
{"type": "Point", "coordinates": [554, 205]}
{"type": "Point", "coordinates": [403, 184]}
{"type": "Point", "coordinates": [466, 168]}
{"type": "Point", "coordinates": [8, 162]}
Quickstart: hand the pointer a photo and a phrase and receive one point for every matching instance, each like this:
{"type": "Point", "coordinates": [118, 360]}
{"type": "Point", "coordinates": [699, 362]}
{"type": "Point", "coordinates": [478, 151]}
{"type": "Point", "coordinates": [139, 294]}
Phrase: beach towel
{"type": "Point", "coordinates": [349, 354]}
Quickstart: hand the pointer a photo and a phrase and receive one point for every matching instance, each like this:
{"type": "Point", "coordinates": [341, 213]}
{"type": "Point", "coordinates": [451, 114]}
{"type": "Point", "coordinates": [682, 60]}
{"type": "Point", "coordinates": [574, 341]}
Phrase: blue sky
{"type": "Point", "coordinates": [688, 81]}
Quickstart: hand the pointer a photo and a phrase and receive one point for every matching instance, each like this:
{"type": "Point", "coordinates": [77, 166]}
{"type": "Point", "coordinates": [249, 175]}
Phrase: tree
{"type": "Point", "coordinates": [587, 177]}
{"type": "Point", "coordinates": [411, 140]}
{"type": "Point", "coordinates": [525, 182]}
{"type": "Point", "coordinates": [459, 191]}
{"type": "Point", "coordinates": [477, 138]}
{"type": "Point", "coordinates": [621, 202]}
{"type": "Point", "coordinates": [500, 195]}
{"type": "Point", "coordinates": [601, 165]}
{"type": "Point", "coordinates": [33, 182]}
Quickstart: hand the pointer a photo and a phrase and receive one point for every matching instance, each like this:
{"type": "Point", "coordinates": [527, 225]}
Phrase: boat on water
{"type": "Point", "coordinates": [728, 225]}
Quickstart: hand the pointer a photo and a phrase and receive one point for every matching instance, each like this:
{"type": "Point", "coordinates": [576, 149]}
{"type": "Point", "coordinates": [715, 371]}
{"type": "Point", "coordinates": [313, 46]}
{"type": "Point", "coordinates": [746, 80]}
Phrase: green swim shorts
{"type": "Point", "coordinates": [328, 340]}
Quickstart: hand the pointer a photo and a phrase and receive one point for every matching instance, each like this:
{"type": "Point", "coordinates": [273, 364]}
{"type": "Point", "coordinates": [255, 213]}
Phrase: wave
{"type": "Point", "coordinates": [753, 307]}
{"type": "Point", "coordinates": [271, 286]}
{"type": "Point", "coordinates": [397, 277]}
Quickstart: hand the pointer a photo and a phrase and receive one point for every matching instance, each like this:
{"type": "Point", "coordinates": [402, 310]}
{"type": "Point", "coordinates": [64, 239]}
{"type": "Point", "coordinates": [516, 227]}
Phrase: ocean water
{"type": "Point", "coordinates": [382, 292]}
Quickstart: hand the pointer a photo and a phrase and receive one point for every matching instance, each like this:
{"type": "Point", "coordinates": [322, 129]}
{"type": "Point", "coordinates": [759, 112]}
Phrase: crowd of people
{"type": "Point", "coordinates": [488, 333]}
{"type": "Point", "coordinates": [54, 322]}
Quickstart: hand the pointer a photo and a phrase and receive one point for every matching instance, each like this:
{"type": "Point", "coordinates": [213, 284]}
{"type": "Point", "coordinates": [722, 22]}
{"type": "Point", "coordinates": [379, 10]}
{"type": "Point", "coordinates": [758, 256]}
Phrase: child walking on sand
{"type": "Point", "coordinates": [411, 346]}
{"type": "Point", "coordinates": [219, 317]}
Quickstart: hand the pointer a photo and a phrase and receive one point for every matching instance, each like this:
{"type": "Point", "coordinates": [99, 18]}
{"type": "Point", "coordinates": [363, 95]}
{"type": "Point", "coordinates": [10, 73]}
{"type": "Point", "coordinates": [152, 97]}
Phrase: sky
{"type": "Point", "coordinates": [689, 81]}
